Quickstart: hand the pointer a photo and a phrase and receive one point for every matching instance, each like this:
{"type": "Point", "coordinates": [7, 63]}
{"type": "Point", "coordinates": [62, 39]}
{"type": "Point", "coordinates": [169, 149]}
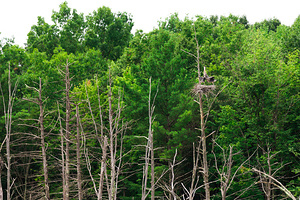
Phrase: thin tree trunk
{"type": "Point", "coordinates": [152, 167]}
{"type": "Point", "coordinates": [149, 155]}
{"type": "Point", "coordinates": [104, 144]}
{"type": "Point", "coordinates": [42, 129]}
{"type": "Point", "coordinates": [8, 123]}
{"type": "Point", "coordinates": [103, 167]}
{"type": "Point", "coordinates": [1, 189]}
{"type": "Point", "coordinates": [78, 155]}
{"type": "Point", "coordinates": [196, 159]}
{"type": "Point", "coordinates": [145, 170]}
{"type": "Point", "coordinates": [151, 141]}
{"type": "Point", "coordinates": [8, 157]}
{"type": "Point", "coordinates": [68, 114]}
{"type": "Point", "coordinates": [204, 151]}
{"type": "Point", "coordinates": [62, 155]}
{"type": "Point", "coordinates": [172, 186]}
{"type": "Point", "coordinates": [268, 184]}
{"type": "Point", "coordinates": [170, 179]}
{"type": "Point", "coordinates": [112, 191]}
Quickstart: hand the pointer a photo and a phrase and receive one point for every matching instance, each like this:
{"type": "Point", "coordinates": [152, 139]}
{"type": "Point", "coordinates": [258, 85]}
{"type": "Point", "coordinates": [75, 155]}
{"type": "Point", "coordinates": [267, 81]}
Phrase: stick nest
{"type": "Point", "coordinates": [203, 89]}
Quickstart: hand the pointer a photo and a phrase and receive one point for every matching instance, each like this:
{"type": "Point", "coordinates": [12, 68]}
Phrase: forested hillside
{"type": "Point", "coordinates": [201, 108]}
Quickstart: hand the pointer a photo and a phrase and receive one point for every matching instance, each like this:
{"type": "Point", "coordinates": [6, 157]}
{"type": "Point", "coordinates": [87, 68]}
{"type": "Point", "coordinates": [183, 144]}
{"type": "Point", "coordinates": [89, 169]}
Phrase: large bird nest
{"type": "Point", "coordinates": [203, 89]}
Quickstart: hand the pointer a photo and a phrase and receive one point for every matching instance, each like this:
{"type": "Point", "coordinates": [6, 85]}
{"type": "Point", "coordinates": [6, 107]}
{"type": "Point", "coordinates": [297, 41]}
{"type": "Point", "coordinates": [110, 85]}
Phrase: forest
{"type": "Point", "coordinates": [198, 108]}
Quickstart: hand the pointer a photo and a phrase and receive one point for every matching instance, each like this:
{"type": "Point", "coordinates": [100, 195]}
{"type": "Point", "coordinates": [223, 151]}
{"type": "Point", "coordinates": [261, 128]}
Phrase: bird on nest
{"type": "Point", "coordinates": [207, 78]}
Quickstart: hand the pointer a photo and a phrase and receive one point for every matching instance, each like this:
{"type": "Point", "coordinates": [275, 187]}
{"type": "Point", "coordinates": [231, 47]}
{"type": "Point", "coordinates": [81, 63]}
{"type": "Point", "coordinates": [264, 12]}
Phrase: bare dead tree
{"type": "Point", "coordinates": [226, 175]}
{"type": "Point", "coordinates": [170, 192]}
{"type": "Point", "coordinates": [267, 186]}
{"type": "Point", "coordinates": [201, 90]}
{"type": "Point", "coordinates": [151, 140]}
{"type": "Point", "coordinates": [42, 129]}
{"type": "Point", "coordinates": [172, 186]}
{"type": "Point", "coordinates": [111, 142]}
{"type": "Point", "coordinates": [114, 119]}
{"type": "Point", "coordinates": [204, 169]}
{"type": "Point", "coordinates": [276, 183]}
{"type": "Point", "coordinates": [67, 135]}
{"type": "Point", "coordinates": [190, 193]}
{"type": "Point", "coordinates": [63, 171]}
{"type": "Point", "coordinates": [267, 182]}
{"type": "Point", "coordinates": [39, 101]}
{"type": "Point", "coordinates": [1, 166]}
{"type": "Point", "coordinates": [8, 123]}
{"type": "Point", "coordinates": [145, 172]}
{"type": "Point", "coordinates": [103, 167]}
{"type": "Point", "coordinates": [103, 141]}
{"type": "Point", "coordinates": [112, 189]}
{"type": "Point", "coordinates": [99, 191]}
{"type": "Point", "coordinates": [149, 153]}
{"type": "Point", "coordinates": [149, 156]}
{"type": "Point", "coordinates": [78, 154]}
{"type": "Point", "coordinates": [65, 139]}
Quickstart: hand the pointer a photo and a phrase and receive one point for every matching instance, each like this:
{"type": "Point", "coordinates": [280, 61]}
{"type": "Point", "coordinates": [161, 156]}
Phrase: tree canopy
{"type": "Point", "coordinates": [75, 109]}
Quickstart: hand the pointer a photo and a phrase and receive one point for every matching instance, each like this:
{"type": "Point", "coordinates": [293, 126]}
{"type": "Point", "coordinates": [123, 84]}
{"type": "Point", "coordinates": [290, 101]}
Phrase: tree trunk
{"type": "Point", "coordinates": [115, 142]}
{"type": "Point", "coordinates": [78, 155]}
{"type": "Point", "coordinates": [269, 183]}
{"type": "Point", "coordinates": [1, 189]}
{"type": "Point", "coordinates": [103, 167]}
{"type": "Point", "coordinates": [149, 155]}
{"type": "Point", "coordinates": [8, 123]}
{"type": "Point", "coordinates": [8, 157]}
{"type": "Point", "coordinates": [103, 143]}
{"type": "Point", "coordinates": [150, 147]}
{"type": "Point", "coordinates": [203, 136]}
{"type": "Point", "coordinates": [152, 167]}
{"type": "Point", "coordinates": [62, 155]}
{"type": "Point", "coordinates": [112, 192]}
{"type": "Point", "coordinates": [204, 151]}
{"type": "Point", "coordinates": [68, 114]}
{"type": "Point", "coordinates": [42, 129]}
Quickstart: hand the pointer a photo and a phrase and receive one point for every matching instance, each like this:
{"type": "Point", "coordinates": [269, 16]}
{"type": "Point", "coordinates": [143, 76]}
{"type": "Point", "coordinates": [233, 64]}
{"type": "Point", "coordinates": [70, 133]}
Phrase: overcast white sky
{"type": "Point", "coordinates": [17, 16]}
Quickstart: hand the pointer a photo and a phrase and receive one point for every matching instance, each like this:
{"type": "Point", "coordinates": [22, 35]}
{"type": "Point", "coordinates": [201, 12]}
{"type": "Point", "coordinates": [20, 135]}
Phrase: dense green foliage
{"type": "Point", "coordinates": [257, 112]}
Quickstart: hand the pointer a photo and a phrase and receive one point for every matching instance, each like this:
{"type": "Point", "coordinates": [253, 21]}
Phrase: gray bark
{"type": "Point", "coordinates": [78, 155]}
{"type": "Point", "coordinates": [42, 129]}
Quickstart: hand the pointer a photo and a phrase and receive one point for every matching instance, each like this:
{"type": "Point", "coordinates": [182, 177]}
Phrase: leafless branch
{"type": "Point", "coordinates": [277, 183]}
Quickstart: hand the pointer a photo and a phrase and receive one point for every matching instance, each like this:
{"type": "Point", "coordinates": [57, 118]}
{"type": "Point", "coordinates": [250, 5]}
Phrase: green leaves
{"type": "Point", "coordinates": [102, 30]}
{"type": "Point", "coordinates": [72, 26]}
{"type": "Point", "coordinates": [108, 32]}
{"type": "Point", "coordinates": [43, 37]}
{"type": "Point", "coordinates": [259, 107]}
